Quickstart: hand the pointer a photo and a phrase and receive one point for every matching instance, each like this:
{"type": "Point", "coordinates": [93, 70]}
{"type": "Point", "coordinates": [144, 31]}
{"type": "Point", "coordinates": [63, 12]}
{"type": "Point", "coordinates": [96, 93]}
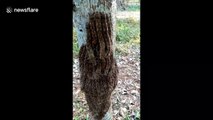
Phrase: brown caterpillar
{"type": "Point", "coordinates": [98, 67]}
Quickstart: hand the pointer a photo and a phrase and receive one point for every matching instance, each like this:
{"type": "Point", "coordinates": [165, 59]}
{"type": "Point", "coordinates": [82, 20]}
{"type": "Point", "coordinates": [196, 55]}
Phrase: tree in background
{"type": "Point", "coordinates": [94, 21]}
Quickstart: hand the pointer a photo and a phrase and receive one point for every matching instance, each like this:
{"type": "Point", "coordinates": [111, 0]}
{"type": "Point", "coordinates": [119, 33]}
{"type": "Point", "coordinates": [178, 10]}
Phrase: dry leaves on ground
{"type": "Point", "coordinates": [126, 96]}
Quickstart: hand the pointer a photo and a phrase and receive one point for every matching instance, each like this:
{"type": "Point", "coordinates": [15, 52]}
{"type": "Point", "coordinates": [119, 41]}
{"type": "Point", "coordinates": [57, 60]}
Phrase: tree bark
{"type": "Point", "coordinates": [94, 21]}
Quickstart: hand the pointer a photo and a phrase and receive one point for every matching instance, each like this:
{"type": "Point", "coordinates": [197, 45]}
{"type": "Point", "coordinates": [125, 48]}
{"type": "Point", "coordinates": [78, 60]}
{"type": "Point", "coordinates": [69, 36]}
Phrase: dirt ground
{"type": "Point", "coordinates": [126, 96]}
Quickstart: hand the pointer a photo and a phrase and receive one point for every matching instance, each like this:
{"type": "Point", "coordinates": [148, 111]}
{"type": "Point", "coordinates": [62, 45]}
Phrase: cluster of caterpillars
{"type": "Point", "coordinates": [98, 68]}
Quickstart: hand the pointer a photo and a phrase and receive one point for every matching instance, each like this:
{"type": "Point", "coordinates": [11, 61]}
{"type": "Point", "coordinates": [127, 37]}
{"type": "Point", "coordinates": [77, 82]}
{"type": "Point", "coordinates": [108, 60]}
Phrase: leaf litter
{"type": "Point", "coordinates": [125, 97]}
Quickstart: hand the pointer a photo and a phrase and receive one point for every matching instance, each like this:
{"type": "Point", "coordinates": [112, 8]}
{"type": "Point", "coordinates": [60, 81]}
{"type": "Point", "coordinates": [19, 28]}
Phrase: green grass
{"type": "Point", "coordinates": [127, 34]}
{"type": "Point", "coordinates": [137, 116]}
{"type": "Point", "coordinates": [127, 118]}
{"type": "Point", "coordinates": [127, 30]}
{"type": "Point", "coordinates": [75, 44]}
{"type": "Point", "coordinates": [78, 118]}
{"type": "Point", "coordinates": [133, 8]}
{"type": "Point", "coordinates": [134, 0]}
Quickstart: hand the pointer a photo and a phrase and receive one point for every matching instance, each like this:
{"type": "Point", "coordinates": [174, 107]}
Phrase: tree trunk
{"type": "Point", "coordinates": [94, 21]}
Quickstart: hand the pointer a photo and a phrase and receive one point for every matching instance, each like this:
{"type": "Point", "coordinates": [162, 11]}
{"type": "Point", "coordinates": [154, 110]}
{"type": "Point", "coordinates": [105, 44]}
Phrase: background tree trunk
{"type": "Point", "coordinates": [94, 21]}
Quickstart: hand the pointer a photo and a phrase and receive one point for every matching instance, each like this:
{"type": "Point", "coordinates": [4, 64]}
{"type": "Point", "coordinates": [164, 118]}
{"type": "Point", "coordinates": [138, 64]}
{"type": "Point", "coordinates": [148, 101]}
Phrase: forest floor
{"type": "Point", "coordinates": [126, 96]}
